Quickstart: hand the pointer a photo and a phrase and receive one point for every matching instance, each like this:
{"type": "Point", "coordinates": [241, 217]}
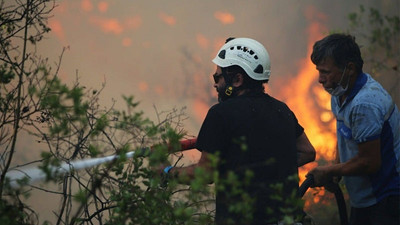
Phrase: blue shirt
{"type": "Point", "coordinates": [369, 113]}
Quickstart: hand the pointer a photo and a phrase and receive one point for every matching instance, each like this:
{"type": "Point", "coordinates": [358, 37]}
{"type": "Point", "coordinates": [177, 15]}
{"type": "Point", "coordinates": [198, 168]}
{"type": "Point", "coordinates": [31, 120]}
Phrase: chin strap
{"type": "Point", "coordinates": [228, 91]}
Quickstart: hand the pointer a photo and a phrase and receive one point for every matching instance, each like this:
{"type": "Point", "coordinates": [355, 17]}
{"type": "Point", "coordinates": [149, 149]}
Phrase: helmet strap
{"type": "Point", "coordinates": [230, 90]}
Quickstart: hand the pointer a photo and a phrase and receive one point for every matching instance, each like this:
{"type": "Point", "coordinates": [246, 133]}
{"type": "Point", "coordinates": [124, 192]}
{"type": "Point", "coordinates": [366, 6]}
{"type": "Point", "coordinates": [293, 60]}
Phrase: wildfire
{"type": "Point", "coordinates": [311, 104]}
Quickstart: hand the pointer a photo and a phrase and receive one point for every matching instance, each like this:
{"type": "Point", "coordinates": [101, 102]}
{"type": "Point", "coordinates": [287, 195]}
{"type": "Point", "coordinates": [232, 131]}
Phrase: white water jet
{"type": "Point", "coordinates": [35, 174]}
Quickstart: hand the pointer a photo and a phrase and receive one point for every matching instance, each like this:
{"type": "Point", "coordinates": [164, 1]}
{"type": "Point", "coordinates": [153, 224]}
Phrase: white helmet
{"type": "Point", "coordinates": [247, 53]}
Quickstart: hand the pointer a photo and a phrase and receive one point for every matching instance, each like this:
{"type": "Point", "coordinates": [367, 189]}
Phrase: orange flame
{"type": "Point", "coordinates": [58, 29]}
{"type": "Point", "coordinates": [311, 104]}
{"type": "Point", "coordinates": [126, 42]}
{"type": "Point", "coordinates": [102, 6]}
{"type": "Point", "coordinates": [224, 17]}
{"type": "Point", "coordinates": [167, 19]}
{"type": "Point", "coordinates": [86, 5]}
{"type": "Point", "coordinates": [143, 86]}
{"type": "Point", "coordinates": [110, 25]}
{"type": "Point", "coordinates": [202, 41]}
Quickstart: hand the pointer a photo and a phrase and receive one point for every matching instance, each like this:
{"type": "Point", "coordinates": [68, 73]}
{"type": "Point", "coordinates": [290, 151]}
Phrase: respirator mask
{"type": "Point", "coordinates": [339, 90]}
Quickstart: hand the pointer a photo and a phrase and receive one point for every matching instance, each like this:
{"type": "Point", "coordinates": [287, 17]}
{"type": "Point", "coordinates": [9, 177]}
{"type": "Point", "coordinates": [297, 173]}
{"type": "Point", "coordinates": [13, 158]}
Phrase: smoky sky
{"type": "Point", "coordinates": [161, 51]}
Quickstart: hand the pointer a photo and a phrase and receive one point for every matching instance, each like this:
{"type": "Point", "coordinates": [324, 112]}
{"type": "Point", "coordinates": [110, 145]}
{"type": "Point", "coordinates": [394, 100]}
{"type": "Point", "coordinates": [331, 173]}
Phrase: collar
{"type": "Point", "coordinates": [251, 93]}
{"type": "Point", "coordinates": [360, 82]}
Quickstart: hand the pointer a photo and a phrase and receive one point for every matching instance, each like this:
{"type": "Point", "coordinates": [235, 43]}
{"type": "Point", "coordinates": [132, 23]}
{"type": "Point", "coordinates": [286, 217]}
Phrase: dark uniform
{"type": "Point", "coordinates": [254, 132]}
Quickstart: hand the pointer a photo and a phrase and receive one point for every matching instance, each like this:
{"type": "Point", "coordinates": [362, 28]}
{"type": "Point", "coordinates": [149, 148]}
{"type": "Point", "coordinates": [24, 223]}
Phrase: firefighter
{"type": "Point", "coordinates": [257, 139]}
{"type": "Point", "coordinates": [368, 133]}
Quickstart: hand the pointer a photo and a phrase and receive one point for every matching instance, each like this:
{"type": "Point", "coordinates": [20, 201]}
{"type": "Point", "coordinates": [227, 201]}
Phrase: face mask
{"type": "Point", "coordinates": [339, 90]}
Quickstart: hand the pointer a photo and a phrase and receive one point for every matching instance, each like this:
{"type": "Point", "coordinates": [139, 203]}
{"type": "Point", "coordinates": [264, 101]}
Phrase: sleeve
{"type": "Point", "coordinates": [299, 128]}
{"type": "Point", "coordinates": [366, 122]}
{"type": "Point", "coordinates": [212, 135]}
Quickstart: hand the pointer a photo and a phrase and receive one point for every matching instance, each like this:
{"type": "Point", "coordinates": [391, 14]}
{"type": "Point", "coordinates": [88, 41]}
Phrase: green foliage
{"type": "Point", "coordinates": [81, 196]}
{"type": "Point", "coordinates": [93, 150]}
{"type": "Point", "coordinates": [6, 75]}
{"type": "Point", "coordinates": [380, 35]}
{"type": "Point", "coordinates": [49, 165]}
{"type": "Point", "coordinates": [100, 125]}
{"type": "Point", "coordinates": [141, 197]}
{"type": "Point", "coordinates": [13, 214]}
{"type": "Point", "coordinates": [383, 29]}
{"type": "Point", "coordinates": [291, 203]}
{"type": "Point", "coordinates": [66, 105]}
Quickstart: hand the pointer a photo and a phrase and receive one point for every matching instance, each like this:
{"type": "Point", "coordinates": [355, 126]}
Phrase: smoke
{"type": "Point", "coordinates": [136, 42]}
{"type": "Point", "coordinates": [161, 51]}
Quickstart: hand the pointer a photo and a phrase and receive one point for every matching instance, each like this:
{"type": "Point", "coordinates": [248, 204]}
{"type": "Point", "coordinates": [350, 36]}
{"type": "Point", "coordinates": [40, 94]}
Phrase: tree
{"type": "Point", "coordinates": [69, 121]}
{"type": "Point", "coordinates": [16, 98]}
{"type": "Point", "coordinates": [381, 37]}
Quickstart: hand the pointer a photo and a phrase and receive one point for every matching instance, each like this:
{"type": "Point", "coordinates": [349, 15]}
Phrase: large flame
{"type": "Point", "coordinates": [311, 104]}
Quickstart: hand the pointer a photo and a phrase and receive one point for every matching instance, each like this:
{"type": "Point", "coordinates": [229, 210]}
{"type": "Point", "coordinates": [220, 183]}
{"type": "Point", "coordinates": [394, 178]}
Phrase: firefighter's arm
{"type": "Point", "coordinates": [305, 150]}
{"type": "Point", "coordinates": [186, 174]}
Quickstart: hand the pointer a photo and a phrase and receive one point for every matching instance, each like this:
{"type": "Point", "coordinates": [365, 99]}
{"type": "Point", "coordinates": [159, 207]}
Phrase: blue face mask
{"type": "Point", "coordinates": [339, 90]}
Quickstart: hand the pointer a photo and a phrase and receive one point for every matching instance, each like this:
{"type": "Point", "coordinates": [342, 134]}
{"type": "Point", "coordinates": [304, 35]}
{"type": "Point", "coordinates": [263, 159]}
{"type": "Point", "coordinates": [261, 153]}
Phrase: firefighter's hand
{"type": "Point", "coordinates": [321, 176]}
{"type": "Point", "coordinates": [163, 170]}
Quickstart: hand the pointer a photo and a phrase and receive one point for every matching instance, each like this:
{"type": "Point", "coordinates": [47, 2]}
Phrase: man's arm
{"type": "Point", "coordinates": [305, 150]}
{"type": "Point", "coordinates": [366, 162]}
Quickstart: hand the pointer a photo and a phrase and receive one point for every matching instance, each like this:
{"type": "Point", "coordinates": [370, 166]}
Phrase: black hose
{"type": "Point", "coordinates": [341, 206]}
{"type": "Point", "coordinates": [338, 195]}
{"type": "Point", "coordinates": [306, 184]}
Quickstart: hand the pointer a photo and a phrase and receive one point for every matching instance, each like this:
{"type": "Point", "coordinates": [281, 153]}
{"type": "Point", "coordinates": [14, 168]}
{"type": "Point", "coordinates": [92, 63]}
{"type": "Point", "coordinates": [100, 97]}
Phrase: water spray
{"type": "Point", "coordinates": [35, 174]}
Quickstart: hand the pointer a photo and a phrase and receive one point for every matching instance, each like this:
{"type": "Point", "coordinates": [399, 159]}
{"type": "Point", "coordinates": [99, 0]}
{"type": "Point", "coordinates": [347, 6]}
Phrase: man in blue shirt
{"type": "Point", "coordinates": [368, 133]}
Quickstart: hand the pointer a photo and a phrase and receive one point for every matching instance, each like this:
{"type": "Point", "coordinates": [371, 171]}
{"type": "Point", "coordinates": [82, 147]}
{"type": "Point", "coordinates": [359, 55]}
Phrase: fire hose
{"type": "Point", "coordinates": [335, 188]}
{"type": "Point", "coordinates": [307, 183]}
{"type": "Point", "coordinates": [36, 174]}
